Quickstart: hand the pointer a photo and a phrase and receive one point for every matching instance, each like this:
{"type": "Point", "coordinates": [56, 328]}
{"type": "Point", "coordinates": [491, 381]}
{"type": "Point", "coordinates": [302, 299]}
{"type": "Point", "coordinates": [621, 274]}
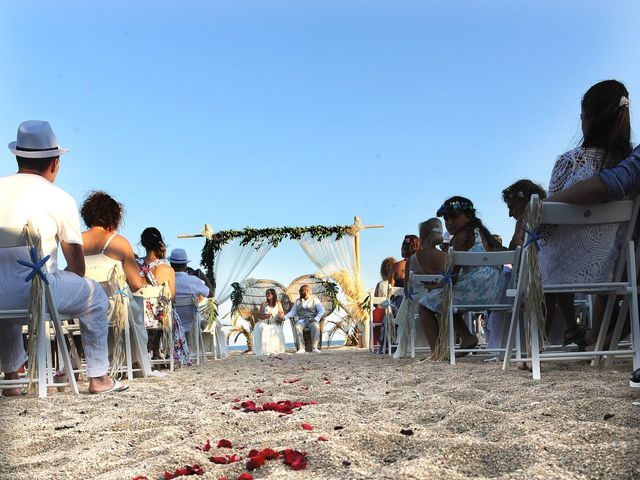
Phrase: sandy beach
{"type": "Point", "coordinates": [381, 419]}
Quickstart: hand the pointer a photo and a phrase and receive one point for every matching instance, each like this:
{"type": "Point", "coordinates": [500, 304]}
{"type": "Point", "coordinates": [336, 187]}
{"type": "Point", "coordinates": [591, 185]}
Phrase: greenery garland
{"type": "Point", "coordinates": [273, 236]}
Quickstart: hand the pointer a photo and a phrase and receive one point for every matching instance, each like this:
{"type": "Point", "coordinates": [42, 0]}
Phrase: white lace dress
{"type": "Point", "coordinates": [578, 253]}
{"type": "Point", "coordinates": [268, 334]}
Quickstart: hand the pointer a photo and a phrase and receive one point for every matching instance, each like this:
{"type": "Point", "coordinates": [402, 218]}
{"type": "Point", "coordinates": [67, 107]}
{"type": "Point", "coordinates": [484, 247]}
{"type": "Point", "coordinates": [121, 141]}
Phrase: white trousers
{"type": "Point", "coordinates": [75, 296]}
{"type": "Point", "coordinates": [314, 328]}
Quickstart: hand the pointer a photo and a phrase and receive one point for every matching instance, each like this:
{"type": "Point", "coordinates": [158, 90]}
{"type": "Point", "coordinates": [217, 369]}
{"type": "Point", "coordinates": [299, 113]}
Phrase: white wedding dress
{"type": "Point", "coordinates": [268, 334]}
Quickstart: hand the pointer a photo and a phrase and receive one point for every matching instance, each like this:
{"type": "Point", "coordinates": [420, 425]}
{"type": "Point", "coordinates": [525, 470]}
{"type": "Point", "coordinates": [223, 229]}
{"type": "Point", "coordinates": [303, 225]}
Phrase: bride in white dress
{"type": "Point", "coordinates": [268, 334]}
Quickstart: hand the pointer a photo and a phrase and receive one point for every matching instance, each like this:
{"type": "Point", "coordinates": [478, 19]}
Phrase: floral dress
{"type": "Point", "coordinates": [154, 309]}
{"type": "Point", "coordinates": [474, 286]}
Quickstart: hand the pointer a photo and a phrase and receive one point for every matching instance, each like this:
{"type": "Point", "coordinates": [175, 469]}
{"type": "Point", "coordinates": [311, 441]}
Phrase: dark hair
{"type": "Point", "coordinates": [274, 295]}
{"type": "Point", "coordinates": [473, 223]}
{"type": "Point", "coordinates": [410, 245]}
{"type": "Point", "coordinates": [385, 267]}
{"type": "Point", "coordinates": [151, 240]}
{"type": "Point", "coordinates": [522, 190]}
{"type": "Point", "coordinates": [40, 165]}
{"type": "Point", "coordinates": [101, 210]}
{"type": "Point", "coordinates": [607, 120]}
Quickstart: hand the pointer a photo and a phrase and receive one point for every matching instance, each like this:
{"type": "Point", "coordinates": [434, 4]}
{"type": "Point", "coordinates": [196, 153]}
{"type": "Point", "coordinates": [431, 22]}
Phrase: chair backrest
{"type": "Point", "coordinates": [151, 292]}
{"type": "Point", "coordinates": [569, 214]}
{"type": "Point", "coordinates": [104, 273]}
{"type": "Point", "coordinates": [186, 301]}
{"type": "Point", "coordinates": [11, 237]}
{"type": "Point", "coordinates": [487, 259]}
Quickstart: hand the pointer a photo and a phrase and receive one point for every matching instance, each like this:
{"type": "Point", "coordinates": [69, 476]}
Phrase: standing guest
{"type": "Point", "coordinates": [586, 253]}
{"type": "Point", "coordinates": [155, 271]}
{"type": "Point", "coordinates": [103, 247]}
{"type": "Point", "coordinates": [187, 286]}
{"type": "Point", "coordinates": [309, 311]}
{"type": "Point", "coordinates": [32, 195]}
{"type": "Point", "coordinates": [477, 285]}
{"type": "Point", "coordinates": [268, 334]}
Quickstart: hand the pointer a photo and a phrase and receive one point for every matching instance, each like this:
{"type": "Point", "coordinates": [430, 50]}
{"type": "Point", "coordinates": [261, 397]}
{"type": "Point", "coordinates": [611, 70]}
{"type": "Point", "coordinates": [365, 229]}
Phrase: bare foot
{"type": "Point", "coordinates": [11, 392]}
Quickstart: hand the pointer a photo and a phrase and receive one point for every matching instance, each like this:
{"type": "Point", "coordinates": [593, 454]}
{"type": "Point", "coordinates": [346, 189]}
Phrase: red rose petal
{"type": "Point", "coordinates": [307, 426]}
{"type": "Point", "coordinates": [233, 458]}
{"type": "Point", "coordinates": [293, 380]}
{"type": "Point", "coordinates": [219, 460]}
{"type": "Point", "coordinates": [168, 475]}
{"type": "Point", "coordinates": [259, 390]}
{"type": "Point", "coordinates": [245, 476]}
{"type": "Point", "coordinates": [255, 462]}
{"type": "Point", "coordinates": [223, 478]}
{"type": "Point", "coordinates": [224, 443]}
{"type": "Point", "coordinates": [140, 477]}
{"type": "Point", "coordinates": [236, 400]}
{"type": "Point", "coordinates": [322, 438]}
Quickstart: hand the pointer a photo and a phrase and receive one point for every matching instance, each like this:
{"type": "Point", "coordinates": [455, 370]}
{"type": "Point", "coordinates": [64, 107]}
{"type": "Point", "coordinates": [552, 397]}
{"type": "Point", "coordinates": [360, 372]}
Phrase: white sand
{"type": "Point", "coordinates": [473, 420]}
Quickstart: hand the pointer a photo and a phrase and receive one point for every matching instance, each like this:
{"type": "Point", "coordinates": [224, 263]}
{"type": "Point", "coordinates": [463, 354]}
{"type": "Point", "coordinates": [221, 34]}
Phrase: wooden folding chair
{"type": "Point", "coordinates": [554, 213]}
{"type": "Point", "coordinates": [37, 320]}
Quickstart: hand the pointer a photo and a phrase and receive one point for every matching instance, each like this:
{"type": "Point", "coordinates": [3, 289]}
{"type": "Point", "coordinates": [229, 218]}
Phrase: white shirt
{"type": "Point", "coordinates": [309, 302]}
{"type": "Point", "coordinates": [52, 211]}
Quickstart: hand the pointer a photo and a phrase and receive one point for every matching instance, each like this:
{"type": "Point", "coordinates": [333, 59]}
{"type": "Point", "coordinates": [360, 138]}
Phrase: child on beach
{"type": "Point", "coordinates": [470, 285]}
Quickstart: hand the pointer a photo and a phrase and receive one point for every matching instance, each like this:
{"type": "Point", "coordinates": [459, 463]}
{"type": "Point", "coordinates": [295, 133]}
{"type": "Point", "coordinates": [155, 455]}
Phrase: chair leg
{"type": "Point", "coordinates": [127, 348]}
{"type": "Point", "coordinates": [413, 335]}
{"type": "Point", "coordinates": [66, 358]}
{"type": "Point", "coordinates": [633, 300]}
{"type": "Point", "coordinates": [535, 349]}
{"type": "Point", "coordinates": [452, 338]}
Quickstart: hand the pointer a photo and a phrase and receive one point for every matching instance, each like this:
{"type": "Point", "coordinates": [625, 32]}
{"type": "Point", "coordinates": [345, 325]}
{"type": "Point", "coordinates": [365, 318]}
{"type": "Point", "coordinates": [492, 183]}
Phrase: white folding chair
{"type": "Point", "coordinates": [418, 286]}
{"type": "Point", "coordinates": [554, 213]}
{"type": "Point", "coordinates": [113, 280]}
{"type": "Point", "coordinates": [375, 303]}
{"type": "Point", "coordinates": [478, 259]}
{"type": "Point", "coordinates": [161, 294]}
{"type": "Point", "coordinates": [191, 301]}
{"type": "Point", "coordinates": [37, 321]}
{"type": "Point", "coordinates": [389, 320]}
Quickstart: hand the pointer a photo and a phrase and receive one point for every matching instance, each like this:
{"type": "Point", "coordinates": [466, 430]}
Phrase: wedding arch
{"type": "Point", "coordinates": [231, 255]}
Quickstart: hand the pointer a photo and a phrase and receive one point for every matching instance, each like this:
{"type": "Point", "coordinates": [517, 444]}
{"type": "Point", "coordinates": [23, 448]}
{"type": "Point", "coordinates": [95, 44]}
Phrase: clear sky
{"type": "Point", "coordinates": [253, 113]}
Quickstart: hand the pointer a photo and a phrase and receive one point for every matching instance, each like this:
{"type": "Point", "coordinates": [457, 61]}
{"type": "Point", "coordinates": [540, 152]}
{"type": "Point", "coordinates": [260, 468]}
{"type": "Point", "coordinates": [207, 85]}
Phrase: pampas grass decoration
{"type": "Point", "coordinates": [441, 352]}
{"type": "Point", "coordinates": [534, 304]}
{"type": "Point", "coordinates": [33, 241]}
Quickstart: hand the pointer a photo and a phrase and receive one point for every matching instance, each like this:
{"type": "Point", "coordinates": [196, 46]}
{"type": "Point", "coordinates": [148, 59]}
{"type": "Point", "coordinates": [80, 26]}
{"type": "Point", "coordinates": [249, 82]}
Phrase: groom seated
{"type": "Point", "coordinates": [309, 311]}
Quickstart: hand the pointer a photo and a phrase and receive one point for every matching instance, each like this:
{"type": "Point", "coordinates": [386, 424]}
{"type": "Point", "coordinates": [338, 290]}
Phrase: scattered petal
{"type": "Point", "coordinates": [295, 459]}
{"type": "Point", "coordinates": [322, 438]}
{"type": "Point", "coordinates": [224, 443]}
{"type": "Point", "coordinates": [259, 390]}
{"type": "Point", "coordinates": [307, 426]}
{"type": "Point", "coordinates": [219, 460]}
{"type": "Point", "coordinates": [245, 476]}
{"type": "Point", "coordinates": [206, 447]}
{"type": "Point", "coordinates": [293, 380]}
{"type": "Point", "coordinates": [255, 462]}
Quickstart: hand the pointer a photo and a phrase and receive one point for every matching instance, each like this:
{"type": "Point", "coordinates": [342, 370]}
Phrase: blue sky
{"type": "Point", "coordinates": [253, 113]}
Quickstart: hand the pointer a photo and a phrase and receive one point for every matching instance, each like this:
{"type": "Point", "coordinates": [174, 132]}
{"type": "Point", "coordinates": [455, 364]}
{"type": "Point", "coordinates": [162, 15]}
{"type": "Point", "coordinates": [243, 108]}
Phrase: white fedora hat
{"type": "Point", "coordinates": [178, 255]}
{"type": "Point", "coordinates": [36, 140]}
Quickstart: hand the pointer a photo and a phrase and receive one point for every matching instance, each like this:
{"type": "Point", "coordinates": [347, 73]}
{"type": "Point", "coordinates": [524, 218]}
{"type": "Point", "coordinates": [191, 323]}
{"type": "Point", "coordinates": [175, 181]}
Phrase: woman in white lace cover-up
{"type": "Point", "coordinates": [576, 253]}
{"type": "Point", "coordinates": [268, 334]}
{"type": "Point", "coordinates": [428, 260]}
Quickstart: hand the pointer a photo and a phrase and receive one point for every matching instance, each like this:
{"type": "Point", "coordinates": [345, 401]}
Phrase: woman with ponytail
{"type": "Point", "coordinates": [155, 271]}
{"type": "Point", "coordinates": [586, 253]}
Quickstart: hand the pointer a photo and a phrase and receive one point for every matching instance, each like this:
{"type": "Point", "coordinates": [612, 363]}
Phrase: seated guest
{"type": "Point", "coordinates": [309, 311]}
{"type": "Point", "coordinates": [517, 197]}
{"type": "Point", "coordinates": [268, 334]}
{"type": "Point", "coordinates": [410, 245]}
{"type": "Point", "coordinates": [103, 247]}
{"type": "Point", "coordinates": [155, 271]}
{"type": "Point", "coordinates": [586, 253]}
{"type": "Point", "coordinates": [429, 260]}
{"type": "Point", "coordinates": [475, 285]}
{"type": "Point", "coordinates": [385, 268]}
{"type": "Point", "coordinates": [32, 195]}
{"type": "Point", "coordinates": [187, 285]}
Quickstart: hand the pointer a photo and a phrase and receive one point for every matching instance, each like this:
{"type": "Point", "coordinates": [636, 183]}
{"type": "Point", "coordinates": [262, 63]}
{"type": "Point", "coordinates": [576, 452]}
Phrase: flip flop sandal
{"type": "Point", "coordinates": [115, 388]}
{"type": "Point", "coordinates": [634, 381]}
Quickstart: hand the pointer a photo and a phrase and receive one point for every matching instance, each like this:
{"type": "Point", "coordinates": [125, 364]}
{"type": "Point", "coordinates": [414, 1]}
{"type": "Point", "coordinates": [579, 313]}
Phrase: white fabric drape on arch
{"type": "Point", "coordinates": [234, 263]}
{"type": "Point", "coordinates": [331, 255]}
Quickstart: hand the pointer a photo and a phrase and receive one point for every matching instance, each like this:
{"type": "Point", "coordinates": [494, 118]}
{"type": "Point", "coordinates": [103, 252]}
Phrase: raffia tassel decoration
{"type": "Point", "coordinates": [36, 315]}
{"type": "Point", "coordinates": [441, 352]}
{"type": "Point", "coordinates": [118, 284]}
{"type": "Point", "coordinates": [167, 319]}
{"type": "Point", "coordinates": [354, 292]}
{"type": "Point", "coordinates": [535, 308]}
{"type": "Point", "coordinates": [211, 312]}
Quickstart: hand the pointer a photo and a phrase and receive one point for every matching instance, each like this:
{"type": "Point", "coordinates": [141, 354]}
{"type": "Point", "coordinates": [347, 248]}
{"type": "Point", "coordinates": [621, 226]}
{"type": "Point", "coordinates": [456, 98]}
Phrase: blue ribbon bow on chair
{"type": "Point", "coordinates": [35, 265]}
{"type": "Point", "coordinates": [447, 277]}
{"type": "Point", "coordinates": [534, 237]}
{"type": "Point", "coordinates": [408, 293]}
{"type": "Point", "coordinates": [121, 291]}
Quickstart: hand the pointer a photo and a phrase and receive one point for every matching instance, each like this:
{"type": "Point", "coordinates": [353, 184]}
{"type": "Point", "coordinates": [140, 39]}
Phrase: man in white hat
{"type": "Point", "coordinates": [186, 285]}
{"type": "Point", "coordinates": [31, 195]}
